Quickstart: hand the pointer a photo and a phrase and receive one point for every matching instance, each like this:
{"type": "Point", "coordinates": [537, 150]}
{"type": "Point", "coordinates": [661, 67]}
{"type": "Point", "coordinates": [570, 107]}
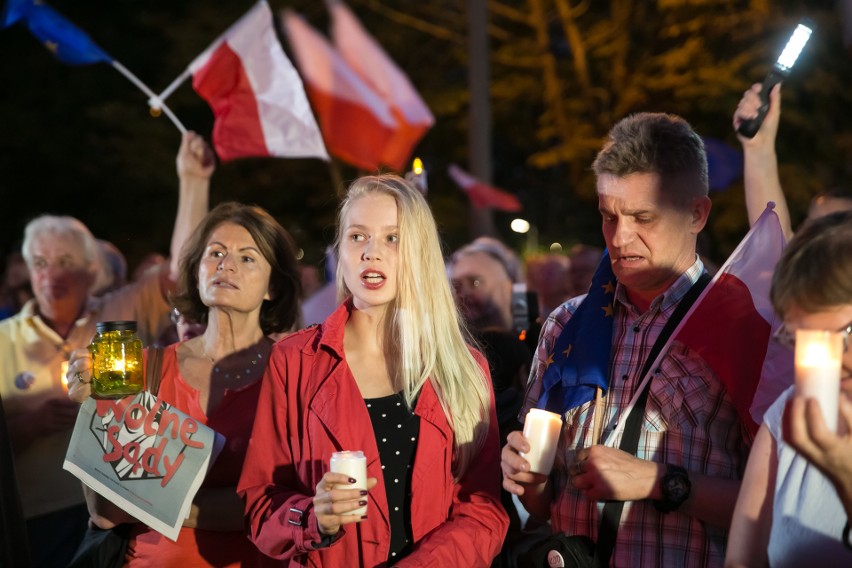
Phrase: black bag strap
{"type": "Point", "coordinates": [611, 516]}
{"type": "Point", "coordinates": [153, 370]}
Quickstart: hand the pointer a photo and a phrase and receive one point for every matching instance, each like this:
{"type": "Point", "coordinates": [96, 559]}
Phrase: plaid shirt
{"type": "Point", "coordinates": [689, 421]}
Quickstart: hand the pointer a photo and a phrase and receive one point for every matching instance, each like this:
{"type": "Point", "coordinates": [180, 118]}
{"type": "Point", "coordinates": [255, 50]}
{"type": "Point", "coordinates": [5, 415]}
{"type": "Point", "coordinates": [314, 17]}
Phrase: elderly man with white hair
{"type": "Point", "coordinates": [63, 259]}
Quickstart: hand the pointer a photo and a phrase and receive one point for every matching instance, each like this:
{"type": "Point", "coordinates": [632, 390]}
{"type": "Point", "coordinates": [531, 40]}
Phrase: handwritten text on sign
{"type": "Point", "coordinates": [137, 437]}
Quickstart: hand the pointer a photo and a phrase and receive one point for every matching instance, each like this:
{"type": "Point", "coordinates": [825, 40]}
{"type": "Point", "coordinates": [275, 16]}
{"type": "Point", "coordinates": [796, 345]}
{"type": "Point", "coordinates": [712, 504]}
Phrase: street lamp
{"type": "Point", "coordinates": [522, 226]}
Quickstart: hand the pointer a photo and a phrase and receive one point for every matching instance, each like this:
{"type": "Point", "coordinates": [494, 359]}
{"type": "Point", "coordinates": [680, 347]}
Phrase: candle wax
{"type": "Point", "coordinates": [353, 464]}
{"type": "Point", "coordinates": [541, 429]}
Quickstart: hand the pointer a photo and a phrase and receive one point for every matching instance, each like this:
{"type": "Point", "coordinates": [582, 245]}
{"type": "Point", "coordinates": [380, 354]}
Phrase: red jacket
{"type": "Point", "coordinates": [310, 407]}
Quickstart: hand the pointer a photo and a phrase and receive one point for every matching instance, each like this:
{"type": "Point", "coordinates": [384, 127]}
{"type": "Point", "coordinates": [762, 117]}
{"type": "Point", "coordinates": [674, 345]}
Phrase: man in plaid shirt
{"type": "Point", "coordinates": [681, 487]}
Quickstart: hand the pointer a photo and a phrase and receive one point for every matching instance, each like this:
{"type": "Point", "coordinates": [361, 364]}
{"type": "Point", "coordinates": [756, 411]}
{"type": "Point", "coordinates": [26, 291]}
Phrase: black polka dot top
{"type": "Point", "coordinates": [396, 429]}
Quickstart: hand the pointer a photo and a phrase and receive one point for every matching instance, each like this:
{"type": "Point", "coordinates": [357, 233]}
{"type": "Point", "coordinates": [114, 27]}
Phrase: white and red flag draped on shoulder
{"type": "Point", "coordinates": [357, 124]}
{"type": "Point", "coordinates": [364, 54]}
{"type": "Point", "coordinates": [255, 92]}
{"type": "Point", "coordinates": [482, 194]}
{"type": "Point", "coordinates": [731, 323]}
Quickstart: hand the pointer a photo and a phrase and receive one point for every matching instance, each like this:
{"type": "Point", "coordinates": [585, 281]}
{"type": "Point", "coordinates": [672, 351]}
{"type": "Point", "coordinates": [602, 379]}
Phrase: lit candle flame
{"type": "Point", "coordinates": [64, 377]}
{"type": "Point", "coordinates": [816, 354]}
{"type": "Point", "coordinates": [118, 365]}
{"type": "Point", "coordinates": [417, 166]}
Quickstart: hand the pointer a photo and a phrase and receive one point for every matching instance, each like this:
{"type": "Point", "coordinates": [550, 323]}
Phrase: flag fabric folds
{"type": "Point", "coordinates": [481, 194]}
{"type": "Point", "coordinates": [367, 58]}
{"type": "Point", "coordinates": [731, 324]}
{"type": "Point", "coordinates": [66, 41]}
{"type": "Point", "coordinates": [579, 362]}
{"type": "Point", "coordinates": [256, 94]}
{"type": "Point", "coordinates": [356, 123]}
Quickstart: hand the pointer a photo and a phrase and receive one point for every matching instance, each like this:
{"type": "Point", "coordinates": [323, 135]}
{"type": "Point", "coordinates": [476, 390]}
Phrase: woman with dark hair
{"type": "Point", "coordinates": [238, 276]}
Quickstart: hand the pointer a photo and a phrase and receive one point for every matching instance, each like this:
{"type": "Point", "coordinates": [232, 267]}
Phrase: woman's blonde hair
{"type": "Point", "coordinates": [424, 335]}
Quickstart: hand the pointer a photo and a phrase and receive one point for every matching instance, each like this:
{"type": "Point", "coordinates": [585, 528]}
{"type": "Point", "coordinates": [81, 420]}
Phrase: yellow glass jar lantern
{"type": "Point", "coordinates": [116, 360]}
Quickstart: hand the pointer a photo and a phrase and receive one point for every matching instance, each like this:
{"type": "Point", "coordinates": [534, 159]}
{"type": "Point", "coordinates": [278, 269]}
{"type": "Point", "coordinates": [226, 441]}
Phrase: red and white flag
{"type": "Point", "coordinates": [256, 94]}
{"type": "Point", "coordinates": [481, 194]}
{"type": "Point", "coordinates": [357, 124]}
{"type": "Point", "coordinates": [731, 323]}
{"type": "Point", "coordinates": [364, 54]}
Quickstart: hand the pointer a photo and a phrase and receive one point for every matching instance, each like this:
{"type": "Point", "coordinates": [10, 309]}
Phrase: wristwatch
{"type": "Point", "coordinates": [675, 486]}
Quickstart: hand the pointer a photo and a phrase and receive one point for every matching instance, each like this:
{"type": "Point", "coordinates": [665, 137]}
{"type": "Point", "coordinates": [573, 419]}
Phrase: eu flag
{"type": "Point", "coordinates": [724, 164]}
{"type": "Point", "coordinates": [579, 362]}
{"type": "Point", "coordinates": [66, 41]}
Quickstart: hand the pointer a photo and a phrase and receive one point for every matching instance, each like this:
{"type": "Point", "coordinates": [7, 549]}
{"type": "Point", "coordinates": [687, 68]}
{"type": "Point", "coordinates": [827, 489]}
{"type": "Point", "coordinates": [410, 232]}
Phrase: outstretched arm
{"type": "Point", "coordinates": [760, 167]}
{"type": "Point", "coordinates": [195, 165]}
{"type": "Point", "coordinates": [748, 538]}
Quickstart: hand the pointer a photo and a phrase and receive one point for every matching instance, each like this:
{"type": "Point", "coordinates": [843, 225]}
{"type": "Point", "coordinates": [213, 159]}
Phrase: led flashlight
{"type": "Point", "coordinates": [779, 72]}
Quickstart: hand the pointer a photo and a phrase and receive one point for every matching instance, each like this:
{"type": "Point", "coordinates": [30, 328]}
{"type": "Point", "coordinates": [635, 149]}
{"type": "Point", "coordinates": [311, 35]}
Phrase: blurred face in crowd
{"type": "Point", "coordinates": [825, 205]}
{"type": "Point", "coordinates": [369, 251]}
{"type": "Point", "coordinates": [651, 238]}
{"type": "Point", "coordinates": [582, 269]}
{"type": "Point", "coordinates": [483, 289]}
{"type": "Point", "coordinates": [60, 274]}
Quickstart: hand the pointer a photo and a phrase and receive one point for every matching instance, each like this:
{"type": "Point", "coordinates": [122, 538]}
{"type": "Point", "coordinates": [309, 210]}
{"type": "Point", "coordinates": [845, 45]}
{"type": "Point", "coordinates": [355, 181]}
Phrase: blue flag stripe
{"type": "Point", "coordinates": [66, 41]}
{"type": "Point", "coordinates": [579, 362]}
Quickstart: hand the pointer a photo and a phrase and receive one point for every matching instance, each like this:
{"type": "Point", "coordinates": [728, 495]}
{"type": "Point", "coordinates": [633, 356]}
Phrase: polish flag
{"type": "Point", "coordinates": [356, 122]}
{"type": "Point", "coordinates": [731, 324]}
{"type": "Point", "coordinates": [364, 54]}
{"type": "Point", "coordinates": [256, 94]}
{"type": "Point", "coordinates": [481, 194]}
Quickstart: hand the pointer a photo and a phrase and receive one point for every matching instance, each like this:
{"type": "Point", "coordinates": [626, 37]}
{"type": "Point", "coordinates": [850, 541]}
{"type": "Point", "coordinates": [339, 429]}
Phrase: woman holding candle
{"type": "Point", "coordinates": [388, 374]}
{"type": "Point", "coordinates": [796, 498]}
{"type": "Point", "coordinates": [238, 276]}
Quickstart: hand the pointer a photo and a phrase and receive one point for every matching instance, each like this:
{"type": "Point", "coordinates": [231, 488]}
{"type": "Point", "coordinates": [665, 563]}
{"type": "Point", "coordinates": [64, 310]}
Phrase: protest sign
{"type": "Point", "coordinates": [144, 456]}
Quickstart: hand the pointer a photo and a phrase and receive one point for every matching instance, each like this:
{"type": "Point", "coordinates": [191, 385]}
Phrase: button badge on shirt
{"type": "Point", "coordinates": [24, 380]}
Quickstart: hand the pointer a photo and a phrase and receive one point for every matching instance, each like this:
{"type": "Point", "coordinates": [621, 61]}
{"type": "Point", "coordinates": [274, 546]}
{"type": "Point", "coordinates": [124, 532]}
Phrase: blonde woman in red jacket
{"type": "Point", "coordinates": [388, 373]}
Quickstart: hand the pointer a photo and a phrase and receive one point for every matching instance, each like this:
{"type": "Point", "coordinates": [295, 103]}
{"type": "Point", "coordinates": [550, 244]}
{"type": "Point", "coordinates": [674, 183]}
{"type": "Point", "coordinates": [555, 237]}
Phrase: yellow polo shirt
{"type": "Point", "coordinates": [31, 356]}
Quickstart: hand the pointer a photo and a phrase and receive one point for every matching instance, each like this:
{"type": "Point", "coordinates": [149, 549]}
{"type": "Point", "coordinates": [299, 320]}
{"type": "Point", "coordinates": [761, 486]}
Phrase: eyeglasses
{"type": "Point", "coordinates": [787, 338]}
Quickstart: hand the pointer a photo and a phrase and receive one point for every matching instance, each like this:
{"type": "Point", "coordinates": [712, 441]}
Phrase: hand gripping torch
{"type": "Point", "coordinates": [779, 72]}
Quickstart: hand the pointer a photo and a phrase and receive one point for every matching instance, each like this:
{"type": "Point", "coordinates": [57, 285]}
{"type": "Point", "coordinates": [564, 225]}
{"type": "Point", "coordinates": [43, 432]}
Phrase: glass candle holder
{"type": "Point", "coordinates": [116, 360]}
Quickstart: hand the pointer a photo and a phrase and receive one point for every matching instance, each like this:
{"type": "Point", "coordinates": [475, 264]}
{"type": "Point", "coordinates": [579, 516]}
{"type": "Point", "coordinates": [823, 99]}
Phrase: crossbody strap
{"type": "Point", "coordinates": [611, 516]}
{"type": "Point", "coordinates": [153, 369]}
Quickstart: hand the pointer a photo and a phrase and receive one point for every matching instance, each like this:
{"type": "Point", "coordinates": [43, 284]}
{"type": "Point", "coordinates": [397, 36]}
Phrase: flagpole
{"type": "Point", "coordinates": [598, 418]}
{"type": "Point", "coordinates": [170, 89]}
{"type": "Point", "coordinates": [144, 88]}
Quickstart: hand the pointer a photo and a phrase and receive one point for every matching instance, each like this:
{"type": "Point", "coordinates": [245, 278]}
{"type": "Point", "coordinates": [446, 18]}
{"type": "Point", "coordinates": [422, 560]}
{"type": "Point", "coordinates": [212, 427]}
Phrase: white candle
{"type": "Point", "coordinates": [541, 429]}
{"type": "Point", "coordinates": [353, 464]}
{"type": "Point", "coordinates": [818, 358]}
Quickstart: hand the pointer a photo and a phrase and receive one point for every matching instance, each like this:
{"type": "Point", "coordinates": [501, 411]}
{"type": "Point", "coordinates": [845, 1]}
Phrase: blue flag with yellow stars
{"type": "Point", "coordinates": [579, 361]}
{"type": "Point", "coordinates": [66, 41]}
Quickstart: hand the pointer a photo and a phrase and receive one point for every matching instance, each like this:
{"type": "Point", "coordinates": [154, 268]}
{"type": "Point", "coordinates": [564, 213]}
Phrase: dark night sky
{"type": "Point", "coordinates": [80, 141]}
